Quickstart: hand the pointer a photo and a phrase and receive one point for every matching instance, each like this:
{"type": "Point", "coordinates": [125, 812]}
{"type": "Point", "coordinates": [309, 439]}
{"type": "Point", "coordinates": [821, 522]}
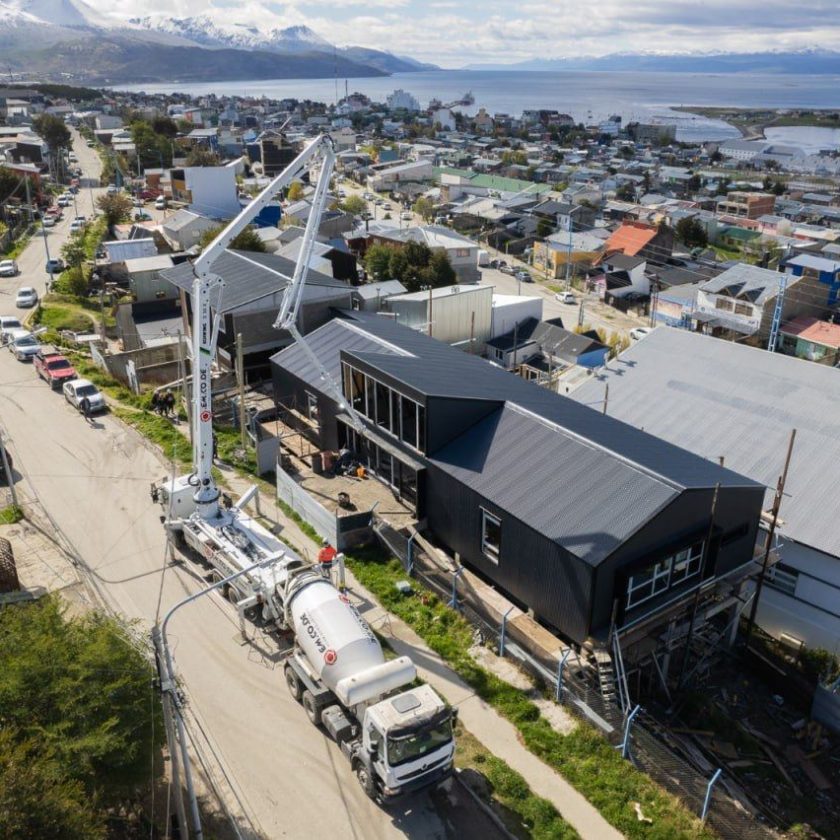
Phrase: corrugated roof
{"type": "Point", "coordinates": [718, 398]}
{"type": "Point", "coordinates": [248, 276]}
{"type": "Point", "coordinates": [748, 282]}
{"type": "Point", "coordinates": [574, 445]}
{"type": "Point", "coordinates": [812, 329]}
{"type": "Point", "coordinates": [611, 497]}
{"type": "Point", "coordinates": [630, 238]}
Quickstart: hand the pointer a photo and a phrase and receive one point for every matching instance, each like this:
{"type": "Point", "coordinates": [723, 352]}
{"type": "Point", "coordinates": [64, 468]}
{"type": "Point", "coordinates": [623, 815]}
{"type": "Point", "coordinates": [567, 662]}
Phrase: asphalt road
{"type": "Point", "coordinates": [290, 779]}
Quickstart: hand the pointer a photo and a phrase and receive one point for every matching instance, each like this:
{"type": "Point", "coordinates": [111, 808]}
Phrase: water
{"type": "Point", "coordinates": [811, 139]}
{"type": "Point", "coordinates": [588, 96]}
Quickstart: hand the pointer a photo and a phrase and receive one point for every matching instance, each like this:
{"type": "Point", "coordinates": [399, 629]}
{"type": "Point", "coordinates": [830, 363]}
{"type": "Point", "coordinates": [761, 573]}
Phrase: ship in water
{"type": "Point", "coordinates": [466, 99]}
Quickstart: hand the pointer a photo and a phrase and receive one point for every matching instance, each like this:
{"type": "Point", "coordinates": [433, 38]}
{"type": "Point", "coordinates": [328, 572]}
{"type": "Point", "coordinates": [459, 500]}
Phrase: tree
{"type": "Point", "coordinates": [10, 184]}
{"type": "Point", "coordinates": [37, 799]}
{"type": "Point", "coordinates": [73, 250]}
{"type": "Point", "coordinates": [425, 208]}
{"type": "Point", "coordinates": [439, 271]}
{"type": "Point", "coordinates": [152, 149]}
{"type": "Point", "coordinates": [165, 126]}
{"type": "Point", "coordinates": [544, 228]}
{"type": "Point", "coordinates": [199, 156]}
{"type": "Point", "coordinates": [354, 204]}
{"type": "Point", "coordinates": [247, 240]}
{"type": "Point", "coordinates": [694, 183]}
{"type": "Point", "coordinates": [626, 192]}
{"type": "Point", "coordinates": [80, 690]}
{"type": "Point", "coordinates": [53, 131]}
{"type": "Point", "coordinates": [116, 207]}
{"type": "Point", "coordinates": [377, 261]}
{"type": "Point", "coordinates": [691, 233]}
{"type": "Point", "coordinates": [295, 192]}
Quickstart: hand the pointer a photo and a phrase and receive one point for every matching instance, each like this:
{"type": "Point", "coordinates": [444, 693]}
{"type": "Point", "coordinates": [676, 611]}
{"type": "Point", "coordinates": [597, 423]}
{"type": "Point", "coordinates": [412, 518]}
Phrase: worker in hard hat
{"type": "Point", "coordinates": [326, 558]}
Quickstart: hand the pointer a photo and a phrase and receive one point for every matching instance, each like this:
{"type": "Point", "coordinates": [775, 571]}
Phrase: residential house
{"type": "Point", "coordinates": [674, 305]}
{"type": "Point", "coordinates": [208, 190]}
{"type": "Point", "coordinates": [741, 301]}
{"type": "Point", "coordinates": [587, 521]}
{"type": "Point", "coordinates": [250, 300]}
{"type": "Point", "coordinates": [553, 253]}
{"type": "Point", "coordinates": [810, 338]}
{"type": "Point", "coordinates": [738, 404]}
{"type": "Point", "coordinates": [184, 228]}
{"type": "Point", "coordinates": [370, 297]}
{"type": "Point", "coordinates": [387, 177]}
{"type": "Point", "coordinates": [625, 275]}
{"type": "Point", "coordinates": [823, 269]}
{"type": "Point", "coordinates": [748, 205]}
{"type": "Point", "coordinates": [539, 349]}
{"type": "Point", "coordinates": [637, 239]}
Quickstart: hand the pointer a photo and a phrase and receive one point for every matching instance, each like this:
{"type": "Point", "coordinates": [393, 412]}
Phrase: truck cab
{"type": "Point", "coordinates": [52, 367]}
{"type": "Point", "coordinates": [408, 741]}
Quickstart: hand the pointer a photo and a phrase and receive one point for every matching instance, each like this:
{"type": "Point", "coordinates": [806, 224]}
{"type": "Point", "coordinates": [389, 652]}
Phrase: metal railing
{"type": "Point", "coordinates": [637, 734]}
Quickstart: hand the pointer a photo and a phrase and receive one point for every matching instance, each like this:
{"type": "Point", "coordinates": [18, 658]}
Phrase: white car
{"type": "Point", "coordinates": [23, 345]}
{"type": "Point", "coordinates": [640, 332]}
{"type": "Point", "coordinates": [48, 221]}
{"type": "Point", "coordinates": [565, 297]}
{"type": "Point", "coordinates": [26, 297]}
{"type": "Point", "coordinates": [77, 389]}
{"type": "Point", "coordinates": [8, 268]}
{"type": "Point", "coordinates": [76, 226]}
{"type": "Point", "coordinates": [8, 324]}
{"type": "Point", "coordinates": [62, 201]}
{"type": "Point", "coordinates": [406, 216]}
{"type": "Point", "coordinates": [160, 203]}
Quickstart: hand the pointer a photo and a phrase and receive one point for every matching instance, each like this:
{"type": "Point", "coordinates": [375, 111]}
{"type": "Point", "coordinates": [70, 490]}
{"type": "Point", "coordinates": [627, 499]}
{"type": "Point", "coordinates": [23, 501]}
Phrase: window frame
{"type": "Point", "coordinates": [488, 550]}
{"type": "Point", "coordinates": [783, 578]}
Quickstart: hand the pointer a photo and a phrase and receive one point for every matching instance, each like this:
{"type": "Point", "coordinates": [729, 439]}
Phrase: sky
{"type": "Point", "coordinates": [453, 33]}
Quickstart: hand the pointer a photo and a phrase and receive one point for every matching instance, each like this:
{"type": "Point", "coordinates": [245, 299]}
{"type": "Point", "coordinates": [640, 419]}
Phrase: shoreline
{"type": "Point", "coordinates": [752, 122]}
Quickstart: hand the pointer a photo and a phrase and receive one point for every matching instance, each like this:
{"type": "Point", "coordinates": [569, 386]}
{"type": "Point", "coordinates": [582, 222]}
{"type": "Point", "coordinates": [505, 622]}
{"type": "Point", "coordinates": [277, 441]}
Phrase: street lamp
{"type": "Point", "coordinates": [167, 683]}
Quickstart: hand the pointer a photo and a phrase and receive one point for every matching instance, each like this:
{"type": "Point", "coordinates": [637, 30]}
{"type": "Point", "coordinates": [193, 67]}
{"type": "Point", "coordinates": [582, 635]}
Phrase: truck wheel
{"type": "Point", "coordinates": [293, 683]}
{"type": "Point", "coordinates": [366, 780]}
{"type": "Point", "coordinates": [311, 707]}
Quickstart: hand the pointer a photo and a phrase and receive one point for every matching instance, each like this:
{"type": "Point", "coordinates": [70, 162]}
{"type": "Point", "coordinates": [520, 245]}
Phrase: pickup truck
{"type": "Point", "coordinates": [52, 367]}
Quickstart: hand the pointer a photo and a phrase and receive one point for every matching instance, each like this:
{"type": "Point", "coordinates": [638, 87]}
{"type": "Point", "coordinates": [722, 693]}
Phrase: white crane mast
{"type": "Point", "coordinates": [206, 329]}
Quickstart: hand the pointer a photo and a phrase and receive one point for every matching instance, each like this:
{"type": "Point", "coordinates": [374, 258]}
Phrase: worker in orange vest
{"type": "Point", "coordinates": [326, 557]}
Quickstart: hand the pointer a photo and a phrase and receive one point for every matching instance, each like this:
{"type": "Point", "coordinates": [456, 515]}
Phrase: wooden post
{"type": "Point", "coordinates": [777, 502]}
{"type": "Point", "coordinates": [606, 396]}
{"type": "Point", "coordinates": [240, 376]}
{"type": "Point", "coordinates": [430, 310]}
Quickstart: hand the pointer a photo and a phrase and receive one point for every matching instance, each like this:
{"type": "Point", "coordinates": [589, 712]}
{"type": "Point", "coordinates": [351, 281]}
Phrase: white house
{"type": "Point", "coordinates": [445, 118]}
{"type": "Point", "coordinates": [388, 177]}
{"type": "Point", "coordinates": [184, 229]}
{"type": "Point", "coordinates": [209, 190]}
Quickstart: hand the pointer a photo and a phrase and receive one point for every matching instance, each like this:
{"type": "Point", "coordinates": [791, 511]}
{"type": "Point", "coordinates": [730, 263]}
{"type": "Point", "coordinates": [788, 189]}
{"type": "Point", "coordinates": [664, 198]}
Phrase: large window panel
{"type": "Point", "coordinates": [395, 413]}
{"type": "Point", "coordinates": [383, 405]}
{"type": "Point", "coordinates": [409, 422]}
{"type": "Point", "coordinates": [421, 428]}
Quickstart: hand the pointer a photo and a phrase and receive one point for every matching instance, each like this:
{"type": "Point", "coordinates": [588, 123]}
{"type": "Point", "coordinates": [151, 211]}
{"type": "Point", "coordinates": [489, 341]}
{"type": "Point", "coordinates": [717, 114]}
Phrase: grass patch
{"type": "Point", "coordinates": [583, 757]}
{"type": "Point", "coordinates": [160, 431]}
{"type": "Point", "coordinates": [524, 814]}
{"type": "Point", "coordinates": [229, 442]}
{"type": "Point", "coordinates": [59, 316]}
{"type": "Point", "coordinates": [11, 514]}
{"type": "Point", "coordinates": [18, 245]}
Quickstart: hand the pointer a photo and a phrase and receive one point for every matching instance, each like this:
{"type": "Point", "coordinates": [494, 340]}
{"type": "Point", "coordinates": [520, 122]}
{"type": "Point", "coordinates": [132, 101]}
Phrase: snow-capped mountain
{"type": "Point", "coordinates": [74, 14]}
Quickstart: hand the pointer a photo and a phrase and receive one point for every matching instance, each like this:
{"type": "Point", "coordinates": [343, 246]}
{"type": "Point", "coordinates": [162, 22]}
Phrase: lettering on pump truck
{"type": "Point", "coordinates": [313, 633]}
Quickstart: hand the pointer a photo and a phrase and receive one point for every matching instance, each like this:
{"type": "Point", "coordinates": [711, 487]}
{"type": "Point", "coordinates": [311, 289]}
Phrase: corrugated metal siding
{"type": "Point", "coordinates": [531, 567]}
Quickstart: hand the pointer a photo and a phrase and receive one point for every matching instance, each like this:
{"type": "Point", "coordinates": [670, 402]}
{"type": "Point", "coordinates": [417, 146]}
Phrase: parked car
{"type": "Point", "coordinates": [142, 216]}
{"type": "Point", "coordinates": [77, 389]}
{"type": "Point", "coordinates": [8, 268]}
{"type": "Point", "coordinates": [507, 269]}
{"type": "Point", "coordinates": [8, 324]}
{"type": "Point", "coordinates": [54, 212]}
{"type": "Point", "coordinates": [138, 202]}
{"type": "Point", "coordinates": [640, 332]}
{"type": "Point", "coordinates": [406, 216]}
{"type": "Point", "coordinates": [160, 203]}
{"type": "Point", "coordinates": [52, 367]}
{"type": "Point", "coordinates": [524, 276]}
{"type": "Point", "coordinates": [111, 189]}
{"type": "Point", "coordinates": [54, 266]}
{"type": "Point", "coordinates": [565, 297]}
{"type": "Point", "coordinates": [62, 201]}
{"type": "Point", "coordinates": [149, 195]}
{"type": "Point", "coordinates": [48, 221]}
{"type": "Point", "coordinates": [26, 297]}
{"type": "Point", "coordinates": [23, 345]}
{"type": "Point", "coordinates": [76, 225]}
{"type": "Point", "coordinates": [80, 219]}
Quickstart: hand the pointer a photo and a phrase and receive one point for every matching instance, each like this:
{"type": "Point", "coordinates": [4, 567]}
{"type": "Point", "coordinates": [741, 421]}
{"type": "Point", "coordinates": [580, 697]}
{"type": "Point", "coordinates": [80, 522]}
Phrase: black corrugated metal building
{"type": "Point", "coordinates": [569, 512]}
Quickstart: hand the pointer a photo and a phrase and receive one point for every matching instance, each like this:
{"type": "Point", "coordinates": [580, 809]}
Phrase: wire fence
{"type": "Point", "coordinates": [640, 738]}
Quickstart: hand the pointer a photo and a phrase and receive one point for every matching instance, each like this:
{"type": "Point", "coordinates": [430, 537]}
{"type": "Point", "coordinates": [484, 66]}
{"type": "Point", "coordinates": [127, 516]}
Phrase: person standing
{"type": "Point", "coordinates": [84, 405]}
{"type": "Point", "coordinates": [326, 558]}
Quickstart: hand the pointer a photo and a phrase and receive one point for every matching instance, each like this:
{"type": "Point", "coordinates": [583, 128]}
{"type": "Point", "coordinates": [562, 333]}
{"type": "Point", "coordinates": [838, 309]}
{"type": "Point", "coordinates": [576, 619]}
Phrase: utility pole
{"type": "Point", "coordinates": [7, 471]}
{"type": "Point", "coordinates": [569, 255]}
{"type": "Point", "coordinates": [28, 197]}
{"type": "Point", "coordinates": [774, 516]}
{"type": "Point", "coordinates": [430, 310]}
{"type": "Point", "coordinates": [606, 397]}
{"type": "Point", "coordinates": [240, 376]}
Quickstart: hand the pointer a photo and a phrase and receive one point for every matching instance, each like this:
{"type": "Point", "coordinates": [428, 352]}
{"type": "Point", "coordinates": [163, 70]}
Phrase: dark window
{"type": "Point", "coordinates": [491, 535]}
{"type": "Point", "coordinates": [357, 394]}
{"type": "Point", "coordinates": [421, 428]}
{"type": "Point", "coordinates": [395, 413]}
{"type": "Point", "coordinates": [409, 422]}
{"type": "Point", "coordinates": [383, 405]}
{"type": "Point", "coordinates": [686, 563]}
{"type": "Point", "coordinates": [664, 574]}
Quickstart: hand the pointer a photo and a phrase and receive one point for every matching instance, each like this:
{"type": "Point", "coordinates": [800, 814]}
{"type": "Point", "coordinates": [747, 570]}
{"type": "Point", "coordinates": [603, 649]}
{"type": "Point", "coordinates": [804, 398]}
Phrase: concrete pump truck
{"type": "Point", "coordinates": [398, 735]}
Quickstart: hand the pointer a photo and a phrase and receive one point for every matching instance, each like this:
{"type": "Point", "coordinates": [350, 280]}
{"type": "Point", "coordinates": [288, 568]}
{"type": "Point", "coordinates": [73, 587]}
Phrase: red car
{"type": "Point", "coordinates": [52, 367]}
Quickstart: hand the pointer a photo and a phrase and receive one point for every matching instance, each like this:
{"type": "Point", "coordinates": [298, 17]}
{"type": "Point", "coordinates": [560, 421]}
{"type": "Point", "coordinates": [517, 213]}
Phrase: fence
{"type": "Point", "coordinates": [341, 531]}
{"type": "Point", "coordinates": [638, 735]}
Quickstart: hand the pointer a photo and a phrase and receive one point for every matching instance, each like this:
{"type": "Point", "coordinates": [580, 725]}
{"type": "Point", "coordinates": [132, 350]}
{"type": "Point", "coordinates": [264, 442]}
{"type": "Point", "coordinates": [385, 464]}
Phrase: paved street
{"type": "Point", "coordinates": [290, 780]}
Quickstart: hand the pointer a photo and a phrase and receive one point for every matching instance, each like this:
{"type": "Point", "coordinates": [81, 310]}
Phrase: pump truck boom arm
{"type": "Point", "coordinates": [206, 330]}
